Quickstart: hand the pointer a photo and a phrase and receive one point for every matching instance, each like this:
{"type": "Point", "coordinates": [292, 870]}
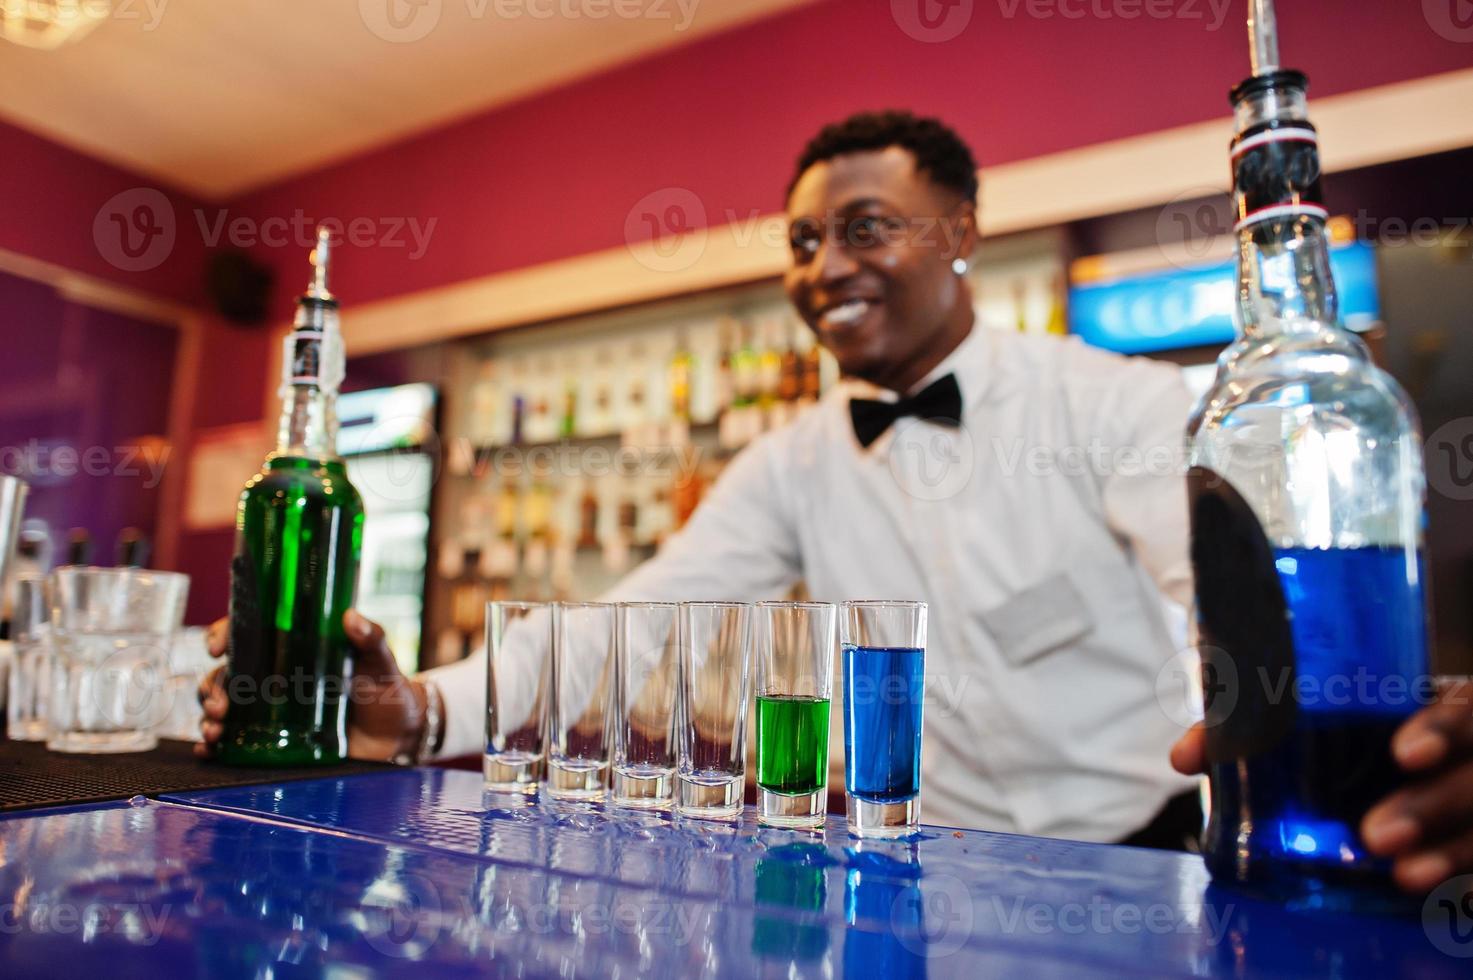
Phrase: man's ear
{"type": "Point", "coordinates": [962, 234]}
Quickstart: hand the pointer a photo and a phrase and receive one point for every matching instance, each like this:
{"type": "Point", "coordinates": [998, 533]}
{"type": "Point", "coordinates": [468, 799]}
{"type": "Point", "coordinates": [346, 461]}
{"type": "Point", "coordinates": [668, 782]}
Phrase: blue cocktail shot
{"type": "Point", "coordinates": [884, 659]}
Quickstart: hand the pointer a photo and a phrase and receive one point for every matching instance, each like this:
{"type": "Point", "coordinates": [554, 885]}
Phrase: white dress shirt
{"type": "Point", "coordinates": [1043, 533]}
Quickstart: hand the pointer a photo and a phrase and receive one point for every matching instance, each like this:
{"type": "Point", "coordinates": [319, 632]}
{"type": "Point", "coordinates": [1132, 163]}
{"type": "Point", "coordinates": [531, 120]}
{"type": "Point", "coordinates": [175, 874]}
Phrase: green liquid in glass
{"type": "Point", "coordinates": [299, 536]}
{"type": "Point", "coordinates": [792, 744]}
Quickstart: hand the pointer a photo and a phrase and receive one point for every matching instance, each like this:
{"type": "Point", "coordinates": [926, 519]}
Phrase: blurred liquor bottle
{"type": "Point", "coordinates": [1058, 320]}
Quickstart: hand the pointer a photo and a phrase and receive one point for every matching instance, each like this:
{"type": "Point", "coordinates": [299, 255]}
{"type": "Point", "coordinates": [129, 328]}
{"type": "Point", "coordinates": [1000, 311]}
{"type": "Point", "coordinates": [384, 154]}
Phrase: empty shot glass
{"type": "Point", "coordinates": [794, 652]}
{"type": "Point", "coordinates": [578, 717]}
{"type": "Point", "coordinates": [112, 629]}
{"type": "Point", "coordinates": [646, 661]}
{"type": "Point", "coordinates": [711, 709]}
{"type": "Point", "coordinates": [518, 684]}
{"type": "Point", "coordinates": [884, 664]}
{"type": "Point", "coordinates": [30, 671]}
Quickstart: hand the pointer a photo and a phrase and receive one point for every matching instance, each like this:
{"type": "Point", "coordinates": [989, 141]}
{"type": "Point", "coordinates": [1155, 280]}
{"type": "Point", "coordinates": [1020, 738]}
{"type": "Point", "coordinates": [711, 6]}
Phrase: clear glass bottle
{"type": "Point", "coordinates": [1306, 490]}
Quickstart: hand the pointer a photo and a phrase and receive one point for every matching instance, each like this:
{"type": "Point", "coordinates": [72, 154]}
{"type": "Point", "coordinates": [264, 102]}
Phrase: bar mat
{"type": "Point", "coordinates": [30, 776]}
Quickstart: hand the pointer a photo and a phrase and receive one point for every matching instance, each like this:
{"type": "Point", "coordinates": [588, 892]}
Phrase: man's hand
{"type": "Point", "coordinates": [1427, 826]}
{"type": "Point", "coordinates": [386, 710]}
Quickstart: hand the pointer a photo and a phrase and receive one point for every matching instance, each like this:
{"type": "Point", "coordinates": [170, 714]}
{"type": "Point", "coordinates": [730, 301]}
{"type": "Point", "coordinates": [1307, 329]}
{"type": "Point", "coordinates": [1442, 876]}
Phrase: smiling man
{"type": "Point", "coordinates": [947, 468]}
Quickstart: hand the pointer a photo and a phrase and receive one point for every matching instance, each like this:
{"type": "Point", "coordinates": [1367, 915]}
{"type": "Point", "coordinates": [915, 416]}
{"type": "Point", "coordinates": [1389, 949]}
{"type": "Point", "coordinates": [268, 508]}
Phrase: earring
{"type": "Point", "coordinates": [959, 266]}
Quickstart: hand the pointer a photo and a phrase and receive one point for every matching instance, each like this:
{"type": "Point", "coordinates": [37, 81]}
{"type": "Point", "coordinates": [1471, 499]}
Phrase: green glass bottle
{"type": "Point", "coordinates": [299, 537]}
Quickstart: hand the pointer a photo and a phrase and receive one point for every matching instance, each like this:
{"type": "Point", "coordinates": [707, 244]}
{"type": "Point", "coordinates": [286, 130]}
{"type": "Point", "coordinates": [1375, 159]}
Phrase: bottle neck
{"type": "Point", "coordinates": [1284, 280]}
{"type": "Point", "coordinates": [309, 423]}
{"type": "Point", "coordinates": [312, 370]}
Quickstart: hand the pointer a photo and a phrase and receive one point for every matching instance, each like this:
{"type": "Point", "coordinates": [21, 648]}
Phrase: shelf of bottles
{"type": "Point", "coordinates": [574, 450]}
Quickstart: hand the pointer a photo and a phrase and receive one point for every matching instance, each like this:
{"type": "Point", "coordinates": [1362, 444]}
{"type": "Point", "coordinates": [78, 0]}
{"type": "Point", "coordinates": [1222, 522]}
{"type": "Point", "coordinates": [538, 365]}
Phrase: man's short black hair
{"type": "Point", "coordinates": [939, 152]}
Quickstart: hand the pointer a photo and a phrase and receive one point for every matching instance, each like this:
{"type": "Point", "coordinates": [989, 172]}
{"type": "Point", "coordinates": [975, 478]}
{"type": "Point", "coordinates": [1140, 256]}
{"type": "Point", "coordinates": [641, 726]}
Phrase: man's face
{"type": "Point", "coordinates": [873, 243]}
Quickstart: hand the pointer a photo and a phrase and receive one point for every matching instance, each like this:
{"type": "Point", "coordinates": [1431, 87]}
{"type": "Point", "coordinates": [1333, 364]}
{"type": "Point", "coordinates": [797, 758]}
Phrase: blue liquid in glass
{"type": "Point", "coordinates": [883, 688]}
{"type": "Point", "coordinates": [1291, 814]}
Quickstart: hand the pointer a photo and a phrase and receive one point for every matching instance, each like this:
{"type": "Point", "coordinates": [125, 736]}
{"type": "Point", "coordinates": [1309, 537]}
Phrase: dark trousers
{"type": "Point", "coordinates": [1178, 827]}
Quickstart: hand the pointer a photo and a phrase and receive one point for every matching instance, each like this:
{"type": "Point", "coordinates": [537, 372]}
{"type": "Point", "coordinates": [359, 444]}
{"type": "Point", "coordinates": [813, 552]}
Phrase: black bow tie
{"type": "Point", "coordinates": [939, 402]}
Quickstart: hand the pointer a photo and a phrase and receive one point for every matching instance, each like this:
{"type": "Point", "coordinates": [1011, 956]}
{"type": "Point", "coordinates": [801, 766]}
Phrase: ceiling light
{"type": "Point", "coordinates": [48, 24]}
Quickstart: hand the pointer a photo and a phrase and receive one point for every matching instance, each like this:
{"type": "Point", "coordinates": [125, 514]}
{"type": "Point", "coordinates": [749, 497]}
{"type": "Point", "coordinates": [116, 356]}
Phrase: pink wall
{"type": "Point", "coordinates": [556, 175]}
{"type": "Point", "coordinates": [64, 207]}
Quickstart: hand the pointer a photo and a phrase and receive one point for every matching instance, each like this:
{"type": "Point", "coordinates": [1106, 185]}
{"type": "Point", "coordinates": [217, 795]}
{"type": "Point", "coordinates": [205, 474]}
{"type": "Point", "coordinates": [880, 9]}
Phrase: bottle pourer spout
{"type": "Point", "coordinates": [321, 257]}
{"type": "Point", "coordinates": [1263, 36]}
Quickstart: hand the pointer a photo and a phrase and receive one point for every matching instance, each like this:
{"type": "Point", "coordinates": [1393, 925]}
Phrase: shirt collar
{"type": "Point", "coordinates": [964, 361]}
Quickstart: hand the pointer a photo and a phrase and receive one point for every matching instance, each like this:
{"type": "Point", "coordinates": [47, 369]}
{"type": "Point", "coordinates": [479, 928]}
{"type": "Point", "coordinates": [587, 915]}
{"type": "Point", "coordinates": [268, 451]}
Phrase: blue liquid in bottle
{"type": "Point", "coordinates": [1359, 632]}
{"type": "Point", "coordinates": [883, 688]}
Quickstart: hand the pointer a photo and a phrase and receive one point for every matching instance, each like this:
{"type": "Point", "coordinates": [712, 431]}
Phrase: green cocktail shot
{"type": "Point", "coordinates": [792, 744]}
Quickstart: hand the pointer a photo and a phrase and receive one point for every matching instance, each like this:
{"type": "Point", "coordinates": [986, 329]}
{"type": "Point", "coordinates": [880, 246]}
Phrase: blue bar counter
{"type": "Point", "coordinates": [418, 872]}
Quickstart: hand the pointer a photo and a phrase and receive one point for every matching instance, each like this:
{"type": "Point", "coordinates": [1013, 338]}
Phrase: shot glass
{"type": "Point", "coordinates": [30, 672]}
{"type": "Point", "coordinates": [112, 629]}
{"type": "Point", "coordinates": [884, 664]}
{"type": "Point", "coordinates": [711, 709]}
{"type": "Point", "coordinates": [578, 717]}
{"type": "Point", "coordinates": [646, 653]}
{"type": "Point", "coordinates": [795, 664]}
{"type": "Point", "coordinates": [518, 679]}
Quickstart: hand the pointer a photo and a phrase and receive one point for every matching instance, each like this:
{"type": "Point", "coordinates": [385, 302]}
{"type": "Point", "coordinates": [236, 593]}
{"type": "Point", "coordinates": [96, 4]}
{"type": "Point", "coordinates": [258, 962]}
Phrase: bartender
{"type": "Point", "coordinates": [1027, 487]}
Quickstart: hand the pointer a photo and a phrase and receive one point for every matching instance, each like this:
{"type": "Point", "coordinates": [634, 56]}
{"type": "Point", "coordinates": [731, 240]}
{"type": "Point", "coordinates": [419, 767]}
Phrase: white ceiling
{"type": "Point", "coordinates": [219, 96]}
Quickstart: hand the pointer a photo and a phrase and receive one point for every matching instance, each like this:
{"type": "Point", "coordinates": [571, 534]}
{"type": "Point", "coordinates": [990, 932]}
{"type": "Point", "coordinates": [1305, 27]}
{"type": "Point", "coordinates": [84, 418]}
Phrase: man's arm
{"type": "Point", "coordinates": [739, 545]}
{"type": "Point", "coordinates": [1144, 486]}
